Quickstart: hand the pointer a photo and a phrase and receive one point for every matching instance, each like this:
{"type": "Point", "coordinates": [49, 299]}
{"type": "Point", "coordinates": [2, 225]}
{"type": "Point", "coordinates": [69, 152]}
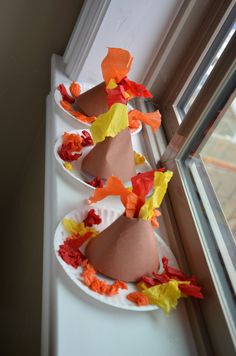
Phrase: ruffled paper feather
{"type": "Point", "coordinates": [152, 119]}
{"type": "Point", "coordinates": [116, 65]}
{"type": "Point", "coordinates": [161, 181]}
{"type": "Point", "coordinates": [110, 123]}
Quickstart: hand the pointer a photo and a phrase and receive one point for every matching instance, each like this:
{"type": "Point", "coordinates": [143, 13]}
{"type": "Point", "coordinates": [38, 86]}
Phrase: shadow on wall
{"type": "Point", "coordinates": [22, 272]}
{"type": "Point", "coordinates": [31, 31]}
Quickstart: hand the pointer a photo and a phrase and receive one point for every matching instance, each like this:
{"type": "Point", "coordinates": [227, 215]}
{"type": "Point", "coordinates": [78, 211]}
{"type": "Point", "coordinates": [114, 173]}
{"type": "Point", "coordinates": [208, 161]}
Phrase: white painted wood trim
{"type": "Point", "coordinates": [167, 45]}
{"type": "Point", "coordinates": [83, 36]}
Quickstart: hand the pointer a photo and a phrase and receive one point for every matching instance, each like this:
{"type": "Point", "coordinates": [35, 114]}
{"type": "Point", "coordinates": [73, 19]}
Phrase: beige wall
{"type": "Point", "coordinates": [22, 277]}
{"type": "Point", "coordinates": [30, 32]}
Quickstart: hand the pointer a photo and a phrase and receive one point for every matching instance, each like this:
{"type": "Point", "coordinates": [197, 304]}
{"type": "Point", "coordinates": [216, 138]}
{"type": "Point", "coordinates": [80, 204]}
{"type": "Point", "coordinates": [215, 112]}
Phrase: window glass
{"type": "Point", "coordinates": [212, 167]}
{"type": "Point", "coordinates": [206, 67]}
{"type": "Point", "coordinates": [202, 154]}
{"type": "Point", "coordinates": [218, 155]}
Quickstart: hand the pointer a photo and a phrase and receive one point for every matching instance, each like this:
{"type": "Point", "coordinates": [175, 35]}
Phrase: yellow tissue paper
{"type": "Point", "coordinates": [165, 295]}
{"type": "Point", "coordinates": [112, 84]}
{"type": "Point", "coordinates": [68, 166]}
{"type": "Point", "coordinates": [110, 123]}
{"type": "Point", "coordinates": [73, 227]}
{"type": "Point", "coordinates": [138, 158]}
{"type": "Point", "coordinates": [141, 286]}
{"type": "Point", "coordinates": [161, 181]}
{"type": "Point", "coordinates": [126, 95]}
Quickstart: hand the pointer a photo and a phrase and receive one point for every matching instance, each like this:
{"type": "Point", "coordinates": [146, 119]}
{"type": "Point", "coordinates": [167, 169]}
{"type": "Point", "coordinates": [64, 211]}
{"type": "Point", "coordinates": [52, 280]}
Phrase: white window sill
{"type": "Point", "coordinates": [72, 322]}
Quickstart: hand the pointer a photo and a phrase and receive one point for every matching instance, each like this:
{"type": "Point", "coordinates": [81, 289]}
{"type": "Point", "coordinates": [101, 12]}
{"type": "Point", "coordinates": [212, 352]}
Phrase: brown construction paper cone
{"type": "Point", "coordinates": [126, 250]}
{"type": "Point", "coordinates": [113, 156]}
{"type": "Point", "coordinates": [93, 102]}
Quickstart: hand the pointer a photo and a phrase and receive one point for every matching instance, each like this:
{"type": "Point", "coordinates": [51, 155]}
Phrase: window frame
{"type": "Point", "coordinates": [219, 38]}
{"type": "Point", "coordinates": [219, 322]}
{"type": "Point", "coordinates": [167, 77]}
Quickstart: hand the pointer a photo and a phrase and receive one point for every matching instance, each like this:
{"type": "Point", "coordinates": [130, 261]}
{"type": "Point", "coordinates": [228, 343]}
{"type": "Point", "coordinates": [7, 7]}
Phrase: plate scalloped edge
{"type": "Point", "coordinates": [119, 300]}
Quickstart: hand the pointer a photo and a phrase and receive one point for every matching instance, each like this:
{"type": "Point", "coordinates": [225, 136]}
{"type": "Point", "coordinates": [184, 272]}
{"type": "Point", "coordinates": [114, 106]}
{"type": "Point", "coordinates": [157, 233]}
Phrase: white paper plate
{"type": "Point", "coordinates": [77, 173]}
{"type": "Point", "coordinates": [84, 87]}
{"type": "Point", "coordinates": [119, 300]}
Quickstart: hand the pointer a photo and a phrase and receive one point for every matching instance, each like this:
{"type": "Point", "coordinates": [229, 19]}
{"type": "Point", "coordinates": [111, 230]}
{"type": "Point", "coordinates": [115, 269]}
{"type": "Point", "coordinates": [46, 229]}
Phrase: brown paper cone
{"type": "Point", "coordinates": [126, 250]}
{"type": "Point", "coordinates": [93, 102]}
{"type": "Point", "coordinates": [113, 156]}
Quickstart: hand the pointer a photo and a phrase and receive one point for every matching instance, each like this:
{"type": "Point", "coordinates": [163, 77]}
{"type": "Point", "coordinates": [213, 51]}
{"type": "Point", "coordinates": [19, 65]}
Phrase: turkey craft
{"type": "Point", "coordinates": [116, 86]}
{"type": "Point", "coordinates": [127, 249]}
{"type": "Point", "coordinates": [113, 152]}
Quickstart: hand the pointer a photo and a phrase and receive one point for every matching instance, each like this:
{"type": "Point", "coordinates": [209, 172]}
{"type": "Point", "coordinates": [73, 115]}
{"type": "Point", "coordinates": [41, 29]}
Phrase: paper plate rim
{"type": "Point", "coordinates": [105, 300]}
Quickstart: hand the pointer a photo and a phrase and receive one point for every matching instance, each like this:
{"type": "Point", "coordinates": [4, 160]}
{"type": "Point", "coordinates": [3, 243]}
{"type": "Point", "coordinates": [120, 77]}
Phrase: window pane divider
{"type": "Point", "coordinates": [155, 143]}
